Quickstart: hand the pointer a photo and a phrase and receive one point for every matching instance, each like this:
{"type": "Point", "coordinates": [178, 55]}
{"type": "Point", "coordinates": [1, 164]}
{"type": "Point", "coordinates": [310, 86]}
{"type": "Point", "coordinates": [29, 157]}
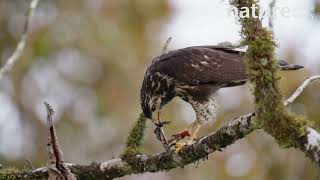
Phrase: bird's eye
{"type": "Point", "coordinates": [153, 108]}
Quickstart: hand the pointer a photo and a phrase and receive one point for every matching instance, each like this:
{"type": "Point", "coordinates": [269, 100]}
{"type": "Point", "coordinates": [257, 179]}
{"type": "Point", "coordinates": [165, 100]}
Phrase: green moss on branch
{"type": "Point", "coordinates": [135, 138]}
{"type": "Point", "coordinates": [261, 65]}
{"type": "Point", "coordinates": [16, 174]}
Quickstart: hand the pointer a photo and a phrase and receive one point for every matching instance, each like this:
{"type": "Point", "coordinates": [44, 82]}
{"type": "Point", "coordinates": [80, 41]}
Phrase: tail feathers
{"type": "Point", "coordinates": [284, 66]}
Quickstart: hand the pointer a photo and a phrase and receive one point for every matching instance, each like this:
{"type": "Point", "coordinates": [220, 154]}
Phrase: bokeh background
{"type": "Point", "coordinates": [87, 59]}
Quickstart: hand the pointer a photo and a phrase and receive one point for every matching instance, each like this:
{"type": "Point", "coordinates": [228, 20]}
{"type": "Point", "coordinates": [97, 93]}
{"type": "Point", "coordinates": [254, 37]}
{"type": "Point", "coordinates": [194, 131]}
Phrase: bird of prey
{"type": "Point", "coordinates": [194, 74]}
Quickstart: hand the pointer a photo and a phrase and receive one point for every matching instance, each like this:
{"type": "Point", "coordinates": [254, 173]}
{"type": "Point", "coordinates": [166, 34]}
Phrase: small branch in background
{"type": "Point", "coordinates": [166, 45]}
{"type": "Point", "coordinates": [271, 15]}
{"type": "Point", "coordinates": [30, 164]}
{"type": "Point", "coordinates": [316, 9]}
{"type": "Point", "coordinates": [56, 167]}
{"type": "Point", "coordinates": [297, 92]}
{"type": "Point", "coordinates": [22, 43]}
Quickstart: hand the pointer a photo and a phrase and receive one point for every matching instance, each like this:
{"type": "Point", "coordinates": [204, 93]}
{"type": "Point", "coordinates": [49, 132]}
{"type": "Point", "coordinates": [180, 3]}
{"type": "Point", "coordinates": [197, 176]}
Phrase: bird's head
{"type": "Point", "coordinates": [152, 98]}
{"type": "Point", "coordinates": [151, 106]}
{"type": "Point", "coordinates": [156, 91]}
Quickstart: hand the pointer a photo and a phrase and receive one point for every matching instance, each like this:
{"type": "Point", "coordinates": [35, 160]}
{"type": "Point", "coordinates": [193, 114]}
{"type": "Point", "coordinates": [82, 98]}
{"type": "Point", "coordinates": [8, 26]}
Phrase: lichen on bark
{"type": "Point", "coordinates": [8, 173]}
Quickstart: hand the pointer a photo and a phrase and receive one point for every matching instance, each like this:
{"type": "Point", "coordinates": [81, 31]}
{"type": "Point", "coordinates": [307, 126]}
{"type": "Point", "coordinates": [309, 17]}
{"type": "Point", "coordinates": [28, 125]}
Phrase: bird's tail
{"type": "Point", "coordinates": [284, 66]}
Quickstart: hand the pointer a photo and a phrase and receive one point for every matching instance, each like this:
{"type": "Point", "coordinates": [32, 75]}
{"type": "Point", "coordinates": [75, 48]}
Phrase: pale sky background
{"type": "Point", "coordinates": [210, 22]}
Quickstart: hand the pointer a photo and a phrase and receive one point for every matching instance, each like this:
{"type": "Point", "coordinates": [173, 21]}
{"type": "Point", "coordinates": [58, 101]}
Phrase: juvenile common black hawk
{"type": "Point", "coordinates": [194, 74]}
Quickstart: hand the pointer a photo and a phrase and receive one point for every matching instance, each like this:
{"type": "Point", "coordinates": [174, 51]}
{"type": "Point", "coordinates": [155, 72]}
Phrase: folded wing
{"type": "Point", "coordinates": [203, 64]}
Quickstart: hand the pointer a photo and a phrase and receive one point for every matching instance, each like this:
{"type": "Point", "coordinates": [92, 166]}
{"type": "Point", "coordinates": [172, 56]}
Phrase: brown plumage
{"type": "Point", "coordinates": [202, 64]}
{"type": "Point", "coordinates": [193, 74]}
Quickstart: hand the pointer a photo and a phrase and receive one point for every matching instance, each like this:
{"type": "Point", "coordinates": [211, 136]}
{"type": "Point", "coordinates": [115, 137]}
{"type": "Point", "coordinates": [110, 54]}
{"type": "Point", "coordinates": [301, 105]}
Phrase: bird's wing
{"type": "Point", "coordinates": [221, 48]}
{"type": "Point", "coordinates": [202, 64]}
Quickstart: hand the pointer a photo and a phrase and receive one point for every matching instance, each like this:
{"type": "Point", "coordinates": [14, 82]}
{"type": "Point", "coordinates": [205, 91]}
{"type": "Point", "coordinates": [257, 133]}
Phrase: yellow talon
{"type": "Point", "coordinates": [179, 146]}
{"type": "Point", "coordinates": [191, 131]}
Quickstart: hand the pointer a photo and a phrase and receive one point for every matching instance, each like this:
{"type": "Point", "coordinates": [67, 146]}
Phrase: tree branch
{"type": "Point", "coordinates": [225, 136]}
{"type": "Point", "coordinates": [271, 15]}
{"type": "Point", "coordinates": [297, 92]}
{"type": "Point", "coordinates": [166, 45]}
{"type": "Point", "coordinates": [135, 137]}
{"type": "Point", "coordinates": [289, 130]}
{"type": "Point", "coordinates": [228, 134]}
{"type": "Point", "coordinates": [11, 61]}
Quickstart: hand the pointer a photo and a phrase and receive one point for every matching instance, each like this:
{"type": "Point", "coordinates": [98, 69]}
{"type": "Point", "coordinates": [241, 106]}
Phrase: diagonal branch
{"type": "Point", "coordinates": [271, 15]}
{"type": "Point", "coordinates": [11, 61]}
{"type": "Point", "coordinates": [228, 134]}
{"type": "Point", "coordinates": [166, 45]}
{"type": "Point", "coordinates": [297, 92]}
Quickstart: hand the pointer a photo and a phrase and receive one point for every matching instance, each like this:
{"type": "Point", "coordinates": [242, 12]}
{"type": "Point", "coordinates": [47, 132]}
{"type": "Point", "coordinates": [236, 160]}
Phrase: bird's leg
{"type": "Point", "coordinates": [191, 131]}
{"type": "Point", "coordinates": [181, 135]}
{"type": "Point", "coordinates": [195, 126]}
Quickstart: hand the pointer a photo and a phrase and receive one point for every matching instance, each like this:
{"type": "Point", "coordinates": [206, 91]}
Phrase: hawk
{"type": "Point", "coordinates": [194, 74]}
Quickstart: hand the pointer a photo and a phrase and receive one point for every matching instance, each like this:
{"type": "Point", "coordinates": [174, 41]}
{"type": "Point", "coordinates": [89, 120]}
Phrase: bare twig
{"type": "Point", "coordinates": [56, 167]}
{"type": "Point", "coordinates": [297, 92]}
{"type": "Point", "coordinates": [166, 45]}
{"type": "Point", "coordinates": [30, 164]}
{"type": "Point", "coordinates": [271, 15]}
{"type": "Point", "coordinates": [22, 43]}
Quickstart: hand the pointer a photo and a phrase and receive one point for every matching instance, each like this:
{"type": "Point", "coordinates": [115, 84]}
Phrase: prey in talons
{"type": "Point", "coordinates": [177, 137]}
{"type": "Point", "coordinates": [190, 132]}
{"type": "Point", "coordinates": [174, 140]}
{"type": "Point", "coordinates": [160, 135]}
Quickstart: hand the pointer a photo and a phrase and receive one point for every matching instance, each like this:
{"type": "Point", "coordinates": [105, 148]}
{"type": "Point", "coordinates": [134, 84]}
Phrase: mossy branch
{"type": "Point", "coordinates": [135, 138]}
{"type": "Point", "coordinates": [288, 129]}
{"type": "Point", "coordinates": [226, 135]}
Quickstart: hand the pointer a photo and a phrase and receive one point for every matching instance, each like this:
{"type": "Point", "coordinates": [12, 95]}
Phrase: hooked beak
{"type": "Point", "coordinates": [156, 117]}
